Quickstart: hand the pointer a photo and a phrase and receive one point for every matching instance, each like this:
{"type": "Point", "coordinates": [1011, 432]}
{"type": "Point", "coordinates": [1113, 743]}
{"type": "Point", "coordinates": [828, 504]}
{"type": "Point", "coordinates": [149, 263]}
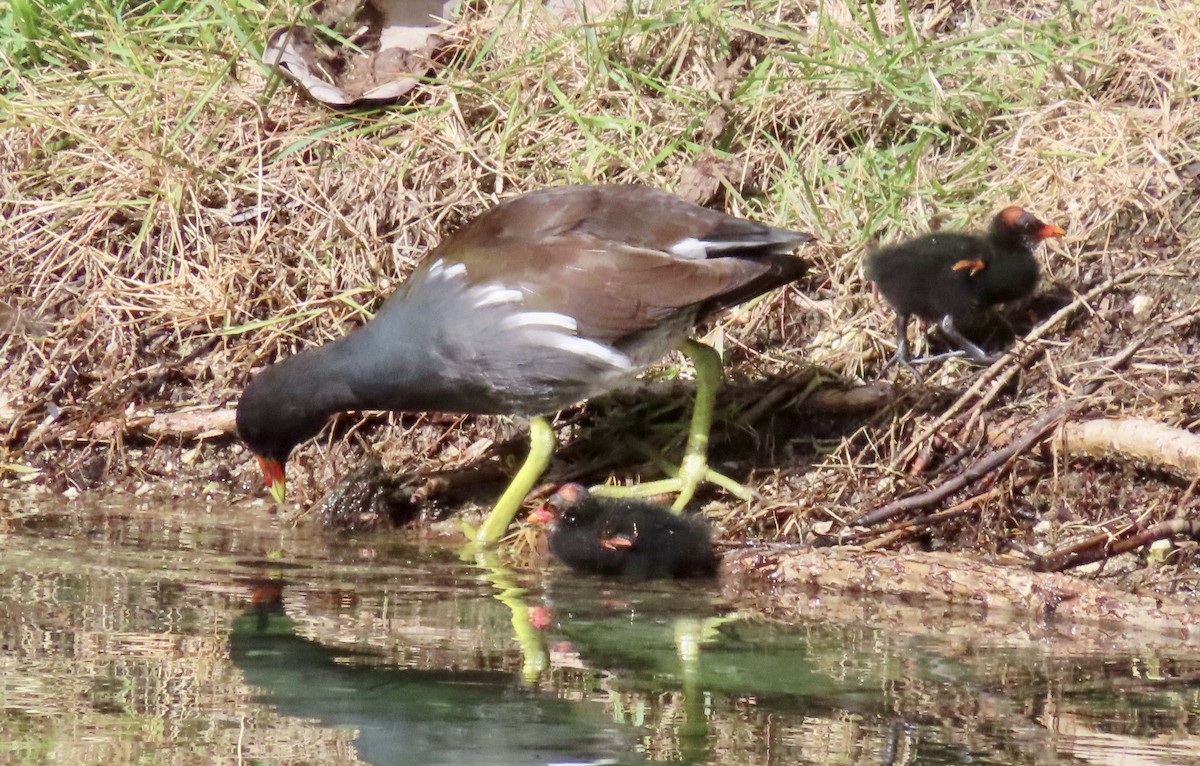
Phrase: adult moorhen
{"type": "Point", "coordinates": [543, 301]}
{"type": "Point", "coordinates": [624, 538]}
{"type": "Point", "coordinates": [951, 277]}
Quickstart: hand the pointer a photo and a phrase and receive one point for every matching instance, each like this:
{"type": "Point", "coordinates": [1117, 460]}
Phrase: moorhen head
{"type": "Point", "coordinates": [952, 277]}
{"type": "Point", "coordinates": [624, 538]}
{"type": "Point", "coordinates": [545, 300]}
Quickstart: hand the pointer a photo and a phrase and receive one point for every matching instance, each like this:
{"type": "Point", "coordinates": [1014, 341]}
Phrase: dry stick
{"type": "Point", "coordinates": [1119, 360]}
{"type": "Point", "coordinates": [871, 396]}
{"type": "Point", "coordinates": [1000, 366]}
{"type": "Point", "coordinates": [813, 398]}
{"type": "Point", "coordinates": [1096, 548]}
{"type": "Point", "coordinates": [900, 530]}
{"type": "Point", "coordinates": [977, 470]}
{"type": "Point", "coordinates": [1074, 549]}
{"type": "Point", "coordinates": [894, 533]}
{"type": "Point", "coordinates": [989, 463]}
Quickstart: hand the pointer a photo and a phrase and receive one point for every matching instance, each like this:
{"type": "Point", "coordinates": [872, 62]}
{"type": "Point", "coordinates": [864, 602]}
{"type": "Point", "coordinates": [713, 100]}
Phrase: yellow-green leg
{"type": "Point", "coordinates": [694, 467]}
{"type": "Point", "coordinates": [541, 447]}
{"type": "Point", "coordinates": [692, 470]}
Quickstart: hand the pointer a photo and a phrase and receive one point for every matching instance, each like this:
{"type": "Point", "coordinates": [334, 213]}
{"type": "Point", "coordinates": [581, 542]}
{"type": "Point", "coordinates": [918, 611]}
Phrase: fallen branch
{"type": "Point", "coordinates": [781, 391]}
{"type": "Point", "coordinates": [786, 577]}
{"type": "Point", "coordinates": [814, 397]}
{"type": "Point", "coordinates": [1163, 446]}
{"type": "Point", "coordinates": [871, 396]}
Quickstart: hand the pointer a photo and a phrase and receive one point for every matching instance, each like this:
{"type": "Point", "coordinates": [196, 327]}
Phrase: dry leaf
{"type": "Point", "coordinates": [700, 181]}
{"type": "Point", "coordinates": [392, 45]}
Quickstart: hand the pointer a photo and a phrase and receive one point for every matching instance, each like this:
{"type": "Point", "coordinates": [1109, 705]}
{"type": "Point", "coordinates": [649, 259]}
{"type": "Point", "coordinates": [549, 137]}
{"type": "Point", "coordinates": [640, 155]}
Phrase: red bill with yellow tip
{"type": "Point", "coordinates": [1050, 231]}
{"type": "Point", "coordinates": [274, 478]}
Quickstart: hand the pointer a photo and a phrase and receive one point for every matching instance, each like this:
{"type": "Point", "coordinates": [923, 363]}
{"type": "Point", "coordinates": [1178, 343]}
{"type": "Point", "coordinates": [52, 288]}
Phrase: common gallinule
{"type": "Point", "coordinates": [625, 538]}
{"type": "Point", "coordinates": [545, 300]}
{"type": "Point", "coordinates": [951, 277]}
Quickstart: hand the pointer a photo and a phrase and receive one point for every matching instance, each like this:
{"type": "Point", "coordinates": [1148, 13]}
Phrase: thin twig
{"type": "Point", "coordinates": [995, 460]}
{"type": "Point", "coordinates": [901, 530]}
{"type": "Point", "coordinates": [976, 471]}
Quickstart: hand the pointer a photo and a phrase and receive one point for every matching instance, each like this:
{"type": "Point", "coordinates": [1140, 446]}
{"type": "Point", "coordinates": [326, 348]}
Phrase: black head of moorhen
{"type": "Point", "coordinates": [543, 301]}
{"type": "Point", "coordinates": [624, 538]}
{"type": "Point", "coordinates": [951, 277]}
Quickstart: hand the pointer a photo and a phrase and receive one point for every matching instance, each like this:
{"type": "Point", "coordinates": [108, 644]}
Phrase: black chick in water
{"type": "Point", "coordinates": [624, 538]}
{"type": "Point", "coordinates": [952, 278]}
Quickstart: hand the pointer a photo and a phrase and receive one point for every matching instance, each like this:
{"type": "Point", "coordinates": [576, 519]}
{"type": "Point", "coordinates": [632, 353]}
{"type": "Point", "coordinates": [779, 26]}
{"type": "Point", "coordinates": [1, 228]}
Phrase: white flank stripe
{"type": "Point", "coordinates": [580, 347]}
{"type": "Point", "coordinates": [540, 319]}
{"type": "Point", "coordinates": [493, 295]}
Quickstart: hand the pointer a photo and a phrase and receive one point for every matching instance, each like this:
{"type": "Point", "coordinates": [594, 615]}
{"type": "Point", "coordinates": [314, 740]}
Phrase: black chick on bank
{"type": "Point", "coordinates": [951, 278]}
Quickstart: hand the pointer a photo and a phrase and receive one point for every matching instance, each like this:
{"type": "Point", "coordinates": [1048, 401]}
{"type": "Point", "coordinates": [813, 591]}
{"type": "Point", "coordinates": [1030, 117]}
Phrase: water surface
{"type": "Point", "coordinates": [190, 633]}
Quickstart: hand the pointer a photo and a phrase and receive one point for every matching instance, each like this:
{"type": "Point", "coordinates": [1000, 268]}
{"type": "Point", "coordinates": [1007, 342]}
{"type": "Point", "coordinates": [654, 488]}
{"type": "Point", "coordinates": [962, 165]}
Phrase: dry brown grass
{"type": "Point", "coordinates": [119, 193]}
